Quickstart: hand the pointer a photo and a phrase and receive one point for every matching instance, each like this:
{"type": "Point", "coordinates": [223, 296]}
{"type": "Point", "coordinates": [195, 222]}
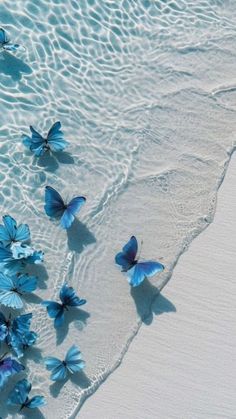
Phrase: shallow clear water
{"type": "Point", "coordinates": [145, 91]}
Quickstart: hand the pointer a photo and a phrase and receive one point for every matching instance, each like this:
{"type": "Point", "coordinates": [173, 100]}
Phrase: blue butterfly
{"type": "Point", "coordinates": [10, 232]}
{"type": "Point", "coordinates": [71, 364]}
{"type": "Point", "coordinates": [15, 332]}
{"type": "Point", "coordinates": [56, 207]}
{"type": "Point", "coordinates": [19, 325]}
{"type": "Point", "coordinates": [6, 45]}
{"type": "Point", "coordinates": [68, 298]}
{"type": "Point", "coordinates": [8, 367]}
{"type": "Point", "coordinates": [19, 396]}
{"type": "Point", "coordinates": [12, 288]}
{"type": "Point", "coordinates": [136, 271]}
{"type": "Point", "coordinates": [54, 141]}
{"type": "Point", "coordinates": [19, 343]}
{"type": "Point", "coordinates": [17, 263]}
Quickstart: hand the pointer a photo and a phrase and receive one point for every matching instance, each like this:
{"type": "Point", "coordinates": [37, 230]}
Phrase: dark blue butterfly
{"type": "Point", "coordinates": [54, 141]}
{"type": "Point", "coordinates": [6, 45]}
{"type": "Point", "coordinates": [136, 271]}
{"type": "Point", "coordinates": [11, 233]}
{"type": "Point", "coordinates": [71, 364]}
{"type": "Point", "coordinates": [18, 325]}
{"type": "Point", "coordinates": [15, 332]}
{"type": "Point", "coordinates": [20, 343]}
{"type": "Point", "coordinates": [55, 207]}
{"type": "Point", "coordinates": [12, 288]}
{"type": "Point", "coordinates": [14, 259]}
{"type": "Point", "coordinates": [19, 396]}
{"type": "Point", "coordinates": [8, 367]}
{"type": "Point", "coordinates": [68, 298]}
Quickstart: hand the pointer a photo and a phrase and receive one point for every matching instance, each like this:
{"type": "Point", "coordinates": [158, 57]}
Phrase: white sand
{"type": "Point", "coordinates": [183, 365]}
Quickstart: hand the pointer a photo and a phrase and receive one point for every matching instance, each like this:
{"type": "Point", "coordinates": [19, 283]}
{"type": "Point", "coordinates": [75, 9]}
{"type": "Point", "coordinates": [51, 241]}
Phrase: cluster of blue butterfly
{"type": "Point", "coordinates": [15, 334]}
{"type": "Point", "coordinates": [16, 252]}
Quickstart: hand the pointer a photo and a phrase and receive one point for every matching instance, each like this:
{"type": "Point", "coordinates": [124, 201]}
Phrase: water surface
{"type": "Point", "coordinates": [145, 91]}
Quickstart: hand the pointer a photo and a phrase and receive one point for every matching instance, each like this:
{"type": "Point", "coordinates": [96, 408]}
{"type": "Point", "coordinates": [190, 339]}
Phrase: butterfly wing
{"type": "Point", "coordinates": [9, 230]}
{"type": "Point", "coordinates": [29, 339]}
{"type": "Point", "coordinates": [55, 311]}
{"type": "Point", "coordinates": [36, 401]}
{"type": "Point", "coordinates": [3, 327]}
{"type": "Point", "coordinates": [9, 367]}
{"type": "Point", "coordinates": [72, 208]}
{"type": "Point", "coordinates": [20, 343]}
{"type": "Point", "coordinates": [143, 270]}
{"type": "Point", "coordinates": [22, 233]}
{"type": "Point", "coordinates": [73, 360]}
{"type": "Point", "coordinates": [126, 258]}
{"type": "Point", "coordinates": [21, 324]}
{"type": "Point", "coordinates": [8, 295]}
{"type": "Point", "coordinates": [10, 299]}
{"type": "Point", "coordinates": [9, 263]}
{"type": "Point", "coordinates": [36, 257]}
{"type": "Point", "coordinates": [36, 138]}
{"type": "Point", "coordinates": [35, 143]}
{"type": "Point", "coordinates": [5, 255]}
{"type": "Point", "coordinates": [3, 37]}
{"type": "Point", "coordinates": [55, 138]}
{"type": "Point", "coordinates": [69, 298]}
{"type": "Point", "coordinates": [19, 393]}
{"type": "Point", "coordinates": [59, 371]}
{"type": "Point", "coordinates": [26, 283]}
{"type": "Point", "coordinates": [54, 204]}
{"type": "Point", "coordinates": [4, 236]}
{"type": "Point", "coordinates": [6, 282]}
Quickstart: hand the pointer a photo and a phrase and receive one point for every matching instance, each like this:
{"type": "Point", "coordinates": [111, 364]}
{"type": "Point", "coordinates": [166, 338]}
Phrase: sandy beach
{"type": "Point", "coordinates": [182, 365]}
{"type": "Point", "coordinates": [144, 92]}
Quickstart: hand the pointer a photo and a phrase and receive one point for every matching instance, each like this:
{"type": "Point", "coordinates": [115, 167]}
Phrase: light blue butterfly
{"type": "Point", "coordinates": [55, 207]}
{"type": "Point", "coordinates": [71, 364]}
{"type": "Point", "coordinates": [19, 396]}
{"type": "Point", "coordinates": [11, 233]}
{"type": "Point", "coordinates": [19, 343]}
{"type": "Point", "coordinates": [68, 299]}
{"type": "Point", "coordinates": [12, 288]}
{"type": "Point", "coordinates": [39, 145]}
{"type": "Point", "coordinates": [15, 332]}
{"type": "Point", "coordinates": [136, 271]}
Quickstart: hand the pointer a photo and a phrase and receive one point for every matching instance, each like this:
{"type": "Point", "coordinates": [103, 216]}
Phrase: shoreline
{"type": "Point", "coordinates": [177, 366]}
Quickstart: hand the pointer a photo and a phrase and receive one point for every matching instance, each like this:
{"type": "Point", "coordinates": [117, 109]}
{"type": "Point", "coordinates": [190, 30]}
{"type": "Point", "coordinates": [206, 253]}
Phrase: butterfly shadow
{"type": "Point", "coordinates": [33, 353]}
{"type": "Point", "coordinates": [26, 413]}
{"type": "Point", "coordinates": [6, 410]}
{"type": "Point", "coordinates": [41, 273]}
{"type": "Point", "coordinates": [79, 236]}
{"type": "Point", "coordinates": [74, 315]}
{"type": "Point", "coordinates": [79, 378]}
{"type": "Point", "coordinates": [51, 161]}
{"type": "Point", "coordinates": [149, 302]}
{"type": "Point", "coordinates": [32, 299]}
{"type": "Point", "coordinates": [13, 66]}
